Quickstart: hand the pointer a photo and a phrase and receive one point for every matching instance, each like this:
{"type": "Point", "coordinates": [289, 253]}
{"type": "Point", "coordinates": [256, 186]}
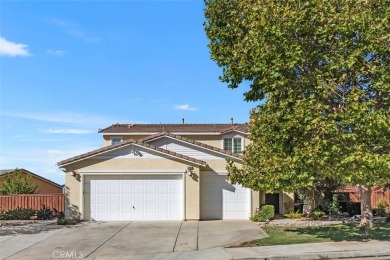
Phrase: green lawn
{"type": "Point", "coordinates": [342, 232]}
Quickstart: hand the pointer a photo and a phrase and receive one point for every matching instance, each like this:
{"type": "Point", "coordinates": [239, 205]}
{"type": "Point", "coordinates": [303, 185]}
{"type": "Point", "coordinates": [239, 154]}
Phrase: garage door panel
{"type": "Point", "coordinates": [163, 197]}
{"type": "Point", "coordinates": [221, 200]}
{"type": "Point", "coordinates": [139, 187]}
{"type": "Point", "coordinates": [134, 197]}
{"type": "Point", "coordinates": [115, 188]}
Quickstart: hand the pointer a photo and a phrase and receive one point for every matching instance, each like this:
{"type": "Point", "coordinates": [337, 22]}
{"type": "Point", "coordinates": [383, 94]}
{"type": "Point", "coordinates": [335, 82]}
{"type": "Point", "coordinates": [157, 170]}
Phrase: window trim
{"type": "Point", "coordinates": [232, 137]}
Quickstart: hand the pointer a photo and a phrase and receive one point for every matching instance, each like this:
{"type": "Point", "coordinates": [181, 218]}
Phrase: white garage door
{"type": "Point", "coordinates": [221, 200]}
{"type": "Point", "coordinates": [133, 197]}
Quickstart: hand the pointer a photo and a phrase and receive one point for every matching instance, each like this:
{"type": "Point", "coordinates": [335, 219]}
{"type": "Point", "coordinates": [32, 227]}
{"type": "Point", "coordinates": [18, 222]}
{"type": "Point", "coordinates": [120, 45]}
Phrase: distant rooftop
{"type": "Point", "coordinates": [10, 171]}
{"type": "Point", "coordinates": [174, 128]}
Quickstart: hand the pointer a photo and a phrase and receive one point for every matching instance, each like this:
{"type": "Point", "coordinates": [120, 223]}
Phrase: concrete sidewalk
{"type": "Point", "coordinates": [330, 250]}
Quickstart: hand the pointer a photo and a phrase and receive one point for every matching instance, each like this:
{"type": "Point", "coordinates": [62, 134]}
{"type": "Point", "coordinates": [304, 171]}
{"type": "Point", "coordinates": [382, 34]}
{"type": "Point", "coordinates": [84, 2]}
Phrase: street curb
{"type": "Point", "coordinates": [323, 255]}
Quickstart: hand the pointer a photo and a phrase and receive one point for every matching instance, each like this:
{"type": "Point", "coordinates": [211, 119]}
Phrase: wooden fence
{"type": "Point", "coordinates": [53, 201]}
{"type": "Point", "coordinates": [377, 194]}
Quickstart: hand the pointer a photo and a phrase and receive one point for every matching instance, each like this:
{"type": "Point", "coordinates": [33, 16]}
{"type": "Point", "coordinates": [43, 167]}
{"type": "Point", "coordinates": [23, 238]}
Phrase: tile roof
{"type": "Point", "coordinates": [128, 142]}
{"type": "Point", "coordinates": [4, 172]}
{"type": "Point", "coordinates": [183, 128]}
{"type": "Point", "coordinates": [191, 141]}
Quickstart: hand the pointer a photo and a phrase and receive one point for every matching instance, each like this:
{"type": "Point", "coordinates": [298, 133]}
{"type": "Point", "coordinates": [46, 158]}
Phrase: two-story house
{"type": "Point", "coordinates": [163, 172]}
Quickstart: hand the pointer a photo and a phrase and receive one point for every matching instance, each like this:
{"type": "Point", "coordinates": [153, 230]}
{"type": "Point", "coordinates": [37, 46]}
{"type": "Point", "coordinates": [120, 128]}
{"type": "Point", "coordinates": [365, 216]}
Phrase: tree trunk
{"type": "Point", "coordinates": [365, 198]}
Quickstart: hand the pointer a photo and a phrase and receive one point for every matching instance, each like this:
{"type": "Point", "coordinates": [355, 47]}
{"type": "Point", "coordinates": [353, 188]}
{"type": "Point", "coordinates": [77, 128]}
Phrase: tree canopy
{"type": "Point", "coordinates": [323, 69]}
{"type": "Point", "coordinates": [16, 183]}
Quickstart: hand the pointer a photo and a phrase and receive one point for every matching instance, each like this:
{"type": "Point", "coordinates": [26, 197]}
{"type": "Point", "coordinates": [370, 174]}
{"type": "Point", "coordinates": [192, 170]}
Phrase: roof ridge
{"type": "Point", "coordinates": [185, 128]}
{"type": "Point", "coordinates": [127, 142]}
{"type": "Point", "coordinates": [8, 171]}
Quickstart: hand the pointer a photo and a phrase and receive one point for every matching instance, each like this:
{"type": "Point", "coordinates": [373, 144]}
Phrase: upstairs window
{"type": "Point", "coordinates": [116, 140]}
{"type": "Point", "coordinates": [233, 144]}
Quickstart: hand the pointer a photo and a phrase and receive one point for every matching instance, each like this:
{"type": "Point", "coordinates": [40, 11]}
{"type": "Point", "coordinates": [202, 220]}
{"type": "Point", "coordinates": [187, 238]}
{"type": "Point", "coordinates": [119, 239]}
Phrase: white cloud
{"type": "Point", "coordinates": [12, 49]}
{"type": "Point", "coordinates": [67, 131]}
{"type": "Point", "coordinates": [58, 53]}
{"type": "Point", "coordinates": [73, 29]}
{"type": "Point", "coordinates": [55, 152]}
{"type": "Point", "coordinates": [89, 120]}
{"type": "Point", "coordinates": [185, 107]}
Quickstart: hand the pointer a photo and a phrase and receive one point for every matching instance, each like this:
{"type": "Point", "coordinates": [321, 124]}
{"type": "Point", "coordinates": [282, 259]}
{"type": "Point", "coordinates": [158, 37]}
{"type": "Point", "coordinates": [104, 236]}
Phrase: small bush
{"type": "Point", "coordinates": [317, 215]}
{"type": "Point", "coordinates": [61, 218]}
{"type": "Point", "coordinates": [293, 215]}
{"type": "Point", "coordinates": [44, 214]}
{"type": "Point", "coordinates": [382, 204]}
{"type": "Point", "coordinates": [334, 207]}
{"type": "Point", "coordinates": [17, 214]}
{"type": "Point", "coordinates": [266, 213]}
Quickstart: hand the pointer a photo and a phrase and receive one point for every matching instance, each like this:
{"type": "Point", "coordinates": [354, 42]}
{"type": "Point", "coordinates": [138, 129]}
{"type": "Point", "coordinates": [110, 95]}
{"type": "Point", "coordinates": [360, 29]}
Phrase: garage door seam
{"type": "Point", "coordinates": [107, 240]}
{"type": "Point", "coordinates": [174, 246]}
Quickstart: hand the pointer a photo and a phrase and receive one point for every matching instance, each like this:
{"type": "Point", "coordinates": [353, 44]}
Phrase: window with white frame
{"type": "Point", "coordinates": [233, 144]}
{"type": "Point", "coordinates": [116, 140]}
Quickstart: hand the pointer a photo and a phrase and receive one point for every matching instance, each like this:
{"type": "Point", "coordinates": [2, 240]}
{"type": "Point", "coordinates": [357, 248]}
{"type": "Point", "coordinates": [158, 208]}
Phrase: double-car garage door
{"type": "Point", "coordinates": [160, 197]}
{"type": "Point", "coordinates": [133, 197]}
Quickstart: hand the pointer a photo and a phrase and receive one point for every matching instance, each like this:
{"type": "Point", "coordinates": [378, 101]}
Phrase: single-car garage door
{"type": "Point", "coordinates": [221, 200]}
{"type": "Point", "coordinates": [133, 197]}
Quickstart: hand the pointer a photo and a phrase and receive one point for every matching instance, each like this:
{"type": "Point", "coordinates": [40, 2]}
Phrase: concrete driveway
{"type": "Point", "coordinates": [125, 239]}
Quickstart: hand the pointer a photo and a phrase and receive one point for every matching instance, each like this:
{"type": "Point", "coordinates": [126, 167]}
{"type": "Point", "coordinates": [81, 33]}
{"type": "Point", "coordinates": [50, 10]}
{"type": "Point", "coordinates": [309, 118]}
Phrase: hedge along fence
{"type": "Point", "coordinates": [35, 201]}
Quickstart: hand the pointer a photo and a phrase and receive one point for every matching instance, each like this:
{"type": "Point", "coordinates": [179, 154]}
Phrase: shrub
{"type": "Point", "coordinates": [44, 214]}
{"type": "Point", "coordinates": [382, 204]}
{"type": "Point", "coordinates": [61, 218]}
{"type": "Point", "coordinates": [293, 215]}
{"type": "Point", "coordinates": [17, 214]}
{"type": "Point", "coordinates": [266, 213]}
{"type": "Point", "coordinates": [334, 207]}
{"type": "Point", "coordinates": [317, 215]}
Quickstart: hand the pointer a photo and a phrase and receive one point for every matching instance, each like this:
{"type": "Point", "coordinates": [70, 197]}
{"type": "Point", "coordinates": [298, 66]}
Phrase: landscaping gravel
{"type": "Point", "coordinates": [305, 222]}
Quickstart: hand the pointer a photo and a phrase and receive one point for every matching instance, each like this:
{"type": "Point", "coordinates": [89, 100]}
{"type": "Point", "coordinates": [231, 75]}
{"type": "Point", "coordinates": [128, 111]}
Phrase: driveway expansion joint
{"type": "Point", "coordinates": [108, 240]}
{"type": "Point", "coordinates": [177, 236]}
{"type": "Point", "coordinates": [54, 233]}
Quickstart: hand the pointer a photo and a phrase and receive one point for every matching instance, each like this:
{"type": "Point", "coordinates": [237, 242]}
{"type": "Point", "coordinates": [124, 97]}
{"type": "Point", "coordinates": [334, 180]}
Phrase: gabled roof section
{"type": "Point", "coordinates": [127, 143]}
{"type": "Point", "coordinates": [173, 128]}
{"type": "Point", "coordinates": [234, 129]}
{"type": "Point", "coordinates": [193, 142]}
{"type": "Point", "coordinates": [10, 171]}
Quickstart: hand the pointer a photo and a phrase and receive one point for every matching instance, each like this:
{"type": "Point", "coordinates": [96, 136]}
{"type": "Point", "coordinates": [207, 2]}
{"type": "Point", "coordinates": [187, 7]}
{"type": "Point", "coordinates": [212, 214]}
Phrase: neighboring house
{"type": "Point", "coordinates": [163, 172]}
{"type": "Point", "coordinates": [45, 186]}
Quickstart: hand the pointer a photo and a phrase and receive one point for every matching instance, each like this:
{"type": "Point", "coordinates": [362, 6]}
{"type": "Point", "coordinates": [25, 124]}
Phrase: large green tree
{"type": "Point", "coordinates": [322, 68]}
{"type": "Point", "coordinates": [17, 183]}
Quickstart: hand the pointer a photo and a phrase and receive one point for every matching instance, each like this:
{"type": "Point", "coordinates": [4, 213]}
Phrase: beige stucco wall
{"type": "Point", "coordinates": [73, 189]}
{"type": "Point", "coordinates": [286, 202]}
{"type": "Point", "coordinates": [192, 200]}
{"type": "Point", "coordinates": [213, 140]}
{"type": "Point", "coordinates": [107, 138]}
{"type": "Point", "coordinates": [255, 202]}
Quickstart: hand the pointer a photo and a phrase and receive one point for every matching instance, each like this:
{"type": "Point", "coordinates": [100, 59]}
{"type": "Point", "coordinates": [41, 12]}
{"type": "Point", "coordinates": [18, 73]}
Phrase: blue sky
{"type": "Point", "coordinates": [68, 68]}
